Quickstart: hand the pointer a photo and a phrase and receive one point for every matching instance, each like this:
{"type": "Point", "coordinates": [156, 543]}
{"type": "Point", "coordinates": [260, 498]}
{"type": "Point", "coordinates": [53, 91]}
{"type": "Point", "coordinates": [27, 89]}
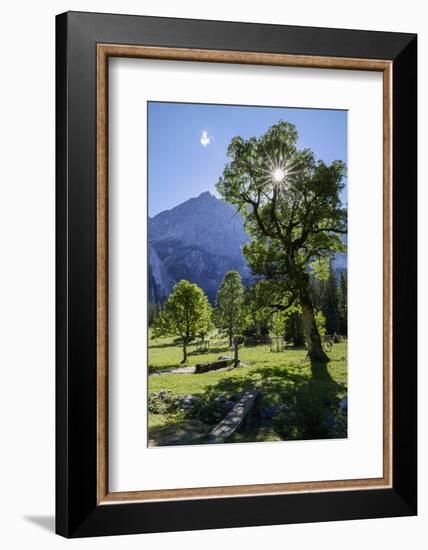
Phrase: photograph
{"type": "Point", "coordinates": [247, 281]}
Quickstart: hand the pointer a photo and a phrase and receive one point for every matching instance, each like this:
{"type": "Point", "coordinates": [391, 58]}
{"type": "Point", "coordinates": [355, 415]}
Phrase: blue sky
{"type": "Point", "coordinates": [188, 143]}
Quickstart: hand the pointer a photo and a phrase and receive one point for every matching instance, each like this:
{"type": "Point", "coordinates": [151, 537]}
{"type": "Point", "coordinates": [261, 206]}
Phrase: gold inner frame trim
{"type": "Point", "coordinates": [104, 51]}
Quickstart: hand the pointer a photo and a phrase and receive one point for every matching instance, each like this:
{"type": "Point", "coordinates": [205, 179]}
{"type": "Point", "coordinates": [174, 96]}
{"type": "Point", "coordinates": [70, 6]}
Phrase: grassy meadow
{"type": "Point", "coordinates": [296, 400]}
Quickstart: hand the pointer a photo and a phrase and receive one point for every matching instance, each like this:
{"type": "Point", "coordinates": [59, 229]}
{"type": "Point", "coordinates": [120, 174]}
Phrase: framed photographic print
{"type": "Point", "coordinates": [236, 274]}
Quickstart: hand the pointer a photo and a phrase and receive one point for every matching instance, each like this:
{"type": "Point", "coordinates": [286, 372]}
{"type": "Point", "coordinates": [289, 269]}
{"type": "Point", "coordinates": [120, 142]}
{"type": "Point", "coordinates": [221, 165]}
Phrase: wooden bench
{"type": "Point", "coordinates": [234, 418]}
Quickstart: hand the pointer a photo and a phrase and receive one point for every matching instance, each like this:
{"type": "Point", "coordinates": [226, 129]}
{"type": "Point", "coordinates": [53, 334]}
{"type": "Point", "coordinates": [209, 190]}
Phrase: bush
{"type": "Point", "coordinates": [210, 410]}
{"type": "Point", "coordinates": [311, 414]}
{"type": "Point", "coordinates": [163, 403]}
{"type": "Point", "coordinates": [207, 409]}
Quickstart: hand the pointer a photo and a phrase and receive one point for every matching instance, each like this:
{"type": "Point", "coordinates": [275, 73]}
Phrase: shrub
{"type": "Point", "coordinates": [210, 410]}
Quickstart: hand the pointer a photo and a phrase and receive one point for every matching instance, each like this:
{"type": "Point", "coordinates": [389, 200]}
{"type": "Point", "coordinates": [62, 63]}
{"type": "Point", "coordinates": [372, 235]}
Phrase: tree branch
{"type": "Point", "coordinates": [283, 307]}
{"type": "Point", "coordinates": [261, 224]}
{"type": "Point", "coordinates": [330, 230]}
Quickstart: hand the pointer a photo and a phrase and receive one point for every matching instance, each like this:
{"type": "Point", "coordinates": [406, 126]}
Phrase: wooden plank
{"type": "Point", "coordinates": [233, 420]}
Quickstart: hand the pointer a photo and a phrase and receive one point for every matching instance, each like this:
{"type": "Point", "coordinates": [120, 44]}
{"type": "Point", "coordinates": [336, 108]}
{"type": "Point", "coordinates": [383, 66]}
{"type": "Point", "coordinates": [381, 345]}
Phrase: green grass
{"type": "Point", "coordinates": [305, 393]}
{"type": "Point", "coordinates": [165, 354]}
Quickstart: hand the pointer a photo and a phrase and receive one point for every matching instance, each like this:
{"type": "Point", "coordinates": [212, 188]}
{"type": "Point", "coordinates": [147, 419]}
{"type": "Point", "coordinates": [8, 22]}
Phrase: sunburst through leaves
{"type": "Point", "coordinates": [278, 172]}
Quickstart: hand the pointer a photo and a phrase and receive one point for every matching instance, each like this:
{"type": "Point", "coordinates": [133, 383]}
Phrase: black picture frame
{"type": "Point", "coordinates": [77, 511]}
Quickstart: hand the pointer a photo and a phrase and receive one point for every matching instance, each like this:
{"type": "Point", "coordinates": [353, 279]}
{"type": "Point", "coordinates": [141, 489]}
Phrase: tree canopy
{"type": "Point", "coordinates": [230, 304]}
{"type": "Point", "coordinates": [187, 313]}
{"type": "Point", "coordinates": [292, 210]}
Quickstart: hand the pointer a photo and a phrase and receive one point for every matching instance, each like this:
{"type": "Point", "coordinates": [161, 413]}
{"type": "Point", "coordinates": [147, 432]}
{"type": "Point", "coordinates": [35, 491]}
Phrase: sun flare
{"type": "Point", "coordinates": [278, 172]}
{"type": "Point", "coordinates": [278, 175]}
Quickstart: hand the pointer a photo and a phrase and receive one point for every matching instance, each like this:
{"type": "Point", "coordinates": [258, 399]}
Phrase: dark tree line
{"type": "Point", "coordinates": [331, 297]}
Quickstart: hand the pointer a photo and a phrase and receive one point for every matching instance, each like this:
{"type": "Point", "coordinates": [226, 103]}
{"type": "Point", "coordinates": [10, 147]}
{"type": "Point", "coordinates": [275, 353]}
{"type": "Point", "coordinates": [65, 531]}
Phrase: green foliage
{"type": "Point", "coordinates": [230, 314]}
{"type": "Point", "coordinates": [321, 322]}
{"type": "Point", "coordinates": [209, 409]}
{"type": "Point", "coordinates": [331, 298]}
{"type": "Point", "coordinates": [187, 313]}
{"type": "Point", "coordinates": [166, 404]}
{"type": "Point", "coordinates": [294, 327]}
{"type": "Point", "coordinates": [272, 305]}
{"type": "Point", "coordinates": [256, 311]}
{"type": "Point", "coordinates": [292, 211]}
{"type": "Point", "coordinates": [330, 303]}
{"type": "Point", "coordinates": [312, 412]}
{"type": "Point", "coordinates": [343, 304]}
{"type": "Point", "coordinates": [317, 290]}
{"type": "Point", "coordinates": [299, 219]}
{"type": "Point", "coordinates": [277, 323]}
{"type": "Point", "coordinates": [321, 268]}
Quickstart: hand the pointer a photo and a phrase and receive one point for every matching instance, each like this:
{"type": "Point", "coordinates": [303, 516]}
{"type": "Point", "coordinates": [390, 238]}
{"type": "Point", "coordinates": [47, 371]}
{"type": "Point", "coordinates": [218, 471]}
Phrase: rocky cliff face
{"type": "Point", "coordinates": [160, 281]}
{"type": "Point", "coordinates": [198, 240]}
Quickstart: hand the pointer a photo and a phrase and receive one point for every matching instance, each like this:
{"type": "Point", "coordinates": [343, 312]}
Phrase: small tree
{"type": "Point", "coordinates": [187, 313]}
{"type": "Point", "coordinates": [230, 305]}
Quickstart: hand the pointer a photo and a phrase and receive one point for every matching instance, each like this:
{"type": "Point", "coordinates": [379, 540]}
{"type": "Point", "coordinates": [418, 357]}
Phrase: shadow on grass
{"type": "Point", "coordinates": [162, 345]}
{"type": "Point", "coordinates": [179, 432]}
{"type": "Point", "coordinates": [305, 403]}
{"type": "Point", "coordinates": [320, 374]}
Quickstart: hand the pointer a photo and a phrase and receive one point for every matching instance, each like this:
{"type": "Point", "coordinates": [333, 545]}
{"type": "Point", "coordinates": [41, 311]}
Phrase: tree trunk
{"type": "Point", "coordinates": [310, 329]}
{"type": "Point", "coordinates": [184, 352]}
{"type": "Point", "coordinates": [236, 346]}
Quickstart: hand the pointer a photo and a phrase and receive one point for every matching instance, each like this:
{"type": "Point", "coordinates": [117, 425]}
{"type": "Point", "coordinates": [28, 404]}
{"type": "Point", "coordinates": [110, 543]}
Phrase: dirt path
{"type": "Point", "coordinates": [175, 370]}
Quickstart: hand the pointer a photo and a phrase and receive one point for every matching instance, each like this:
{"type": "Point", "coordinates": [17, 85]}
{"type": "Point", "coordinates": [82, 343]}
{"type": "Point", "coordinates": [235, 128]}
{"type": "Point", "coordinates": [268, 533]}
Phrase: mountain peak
{"type": "Point", "coordinates": [199, 240]}
{"type": "Point", "coordinates": [205, 195]}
